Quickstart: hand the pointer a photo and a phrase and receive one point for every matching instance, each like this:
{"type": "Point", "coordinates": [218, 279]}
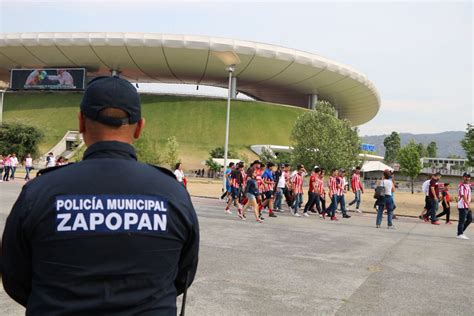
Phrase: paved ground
{"type": "Point", "coordinates": [307, 266]}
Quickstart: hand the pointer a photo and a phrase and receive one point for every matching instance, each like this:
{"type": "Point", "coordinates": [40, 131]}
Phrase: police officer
{"type": "Point", "coordinates": [107, 235]}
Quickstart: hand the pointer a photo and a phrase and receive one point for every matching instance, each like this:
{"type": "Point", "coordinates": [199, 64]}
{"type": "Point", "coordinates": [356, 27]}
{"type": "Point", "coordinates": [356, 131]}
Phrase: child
{"type": "Point", "coordinates": [445, 201]}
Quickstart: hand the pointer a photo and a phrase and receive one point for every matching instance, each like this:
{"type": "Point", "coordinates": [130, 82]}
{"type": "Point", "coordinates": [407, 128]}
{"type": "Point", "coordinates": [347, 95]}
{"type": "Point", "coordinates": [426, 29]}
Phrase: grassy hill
{"type": "Point", "coordinates": [197, 123]}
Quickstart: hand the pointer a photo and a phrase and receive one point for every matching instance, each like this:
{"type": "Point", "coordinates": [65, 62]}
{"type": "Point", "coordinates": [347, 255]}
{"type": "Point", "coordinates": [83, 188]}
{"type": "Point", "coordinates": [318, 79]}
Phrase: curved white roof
{"type": "Point", "coordinates": [266, 72]}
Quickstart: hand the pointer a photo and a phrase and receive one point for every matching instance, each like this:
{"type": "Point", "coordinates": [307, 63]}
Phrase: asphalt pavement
{"type": "Point", "coordinates": [310, 266]}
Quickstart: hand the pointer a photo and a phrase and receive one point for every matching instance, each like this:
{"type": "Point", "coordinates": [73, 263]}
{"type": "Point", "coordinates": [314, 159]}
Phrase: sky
{"type": "Point", "coordinates": [419, 54]}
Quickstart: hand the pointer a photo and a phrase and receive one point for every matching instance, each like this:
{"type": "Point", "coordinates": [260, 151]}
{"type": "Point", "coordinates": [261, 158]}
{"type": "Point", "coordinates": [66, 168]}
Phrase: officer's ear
{"type": "Point", "coordinates": [139, 128]}
{"type": "Point", "coordinates": [82, 122]}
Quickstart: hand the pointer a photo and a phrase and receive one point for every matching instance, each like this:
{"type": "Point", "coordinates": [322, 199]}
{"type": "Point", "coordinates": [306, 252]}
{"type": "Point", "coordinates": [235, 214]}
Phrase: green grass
{"type": "Point", "coordinates": [197, 123]}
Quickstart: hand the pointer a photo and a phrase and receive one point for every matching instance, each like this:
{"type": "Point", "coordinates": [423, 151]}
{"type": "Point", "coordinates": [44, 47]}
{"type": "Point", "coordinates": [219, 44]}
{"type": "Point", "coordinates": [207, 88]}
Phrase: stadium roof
{"type": "Point", "coordinates": [266, 72]}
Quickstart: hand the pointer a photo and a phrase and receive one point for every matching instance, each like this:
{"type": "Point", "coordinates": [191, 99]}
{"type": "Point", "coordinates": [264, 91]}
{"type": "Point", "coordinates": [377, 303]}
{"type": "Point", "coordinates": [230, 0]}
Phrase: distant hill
{"type": "Point", "coordinates": [447, 142]}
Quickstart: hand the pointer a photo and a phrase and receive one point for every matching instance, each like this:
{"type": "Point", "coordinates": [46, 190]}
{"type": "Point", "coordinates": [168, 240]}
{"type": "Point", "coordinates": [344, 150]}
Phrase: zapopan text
{"type": "Point", "coordinates": [111, 213]}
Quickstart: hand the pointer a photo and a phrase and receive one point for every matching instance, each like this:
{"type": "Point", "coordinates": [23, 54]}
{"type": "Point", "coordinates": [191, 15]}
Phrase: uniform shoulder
{"type": "Point", "coordinates": [51, 169]}
{"type": "Point", "coordinates": [164, 170]}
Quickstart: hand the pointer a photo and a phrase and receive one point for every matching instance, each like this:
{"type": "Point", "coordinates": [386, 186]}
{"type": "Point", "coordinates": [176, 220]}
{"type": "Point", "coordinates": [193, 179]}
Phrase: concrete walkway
{"type": "Point", "coordinates": [310, 266]}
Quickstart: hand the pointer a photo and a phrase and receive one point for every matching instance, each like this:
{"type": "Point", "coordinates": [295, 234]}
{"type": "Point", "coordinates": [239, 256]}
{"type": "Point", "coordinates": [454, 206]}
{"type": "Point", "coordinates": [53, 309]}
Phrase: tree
{"type": "Point", "coordinates": [214, 166]}
{"type": "Point", "coordinates": [218, 152]}
{"type": "Point", "coordinates": [432, 150]}
{"type": "Point", "coordinates": [171, 157]}
{"type": "Point", "coordinates": [147, 150]}
{"type": "Point", "coordinates": [318, 137]}
{"type": "Point", "coordinates": [283, 157]}
{"type": "Point", "coordinates": [467, 144]}
{"type": "Point", "coordinates": [392, 146]}
{"type": "Point", "coordinates": [20, 139]}
{"type": "Point", "coordinates": [409, 159]}
{"type": "Point", "coordinates": [421, 150]}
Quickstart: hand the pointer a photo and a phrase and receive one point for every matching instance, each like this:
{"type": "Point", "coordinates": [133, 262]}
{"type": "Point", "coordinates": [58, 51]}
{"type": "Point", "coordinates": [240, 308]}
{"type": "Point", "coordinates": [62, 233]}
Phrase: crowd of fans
{"type": "Point", "coordinates": [260, 187]}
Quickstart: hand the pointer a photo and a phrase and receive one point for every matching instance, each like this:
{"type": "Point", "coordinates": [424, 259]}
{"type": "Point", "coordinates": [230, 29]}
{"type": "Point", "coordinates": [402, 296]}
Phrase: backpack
{"type": "Point", "coordinates": [379, 191]}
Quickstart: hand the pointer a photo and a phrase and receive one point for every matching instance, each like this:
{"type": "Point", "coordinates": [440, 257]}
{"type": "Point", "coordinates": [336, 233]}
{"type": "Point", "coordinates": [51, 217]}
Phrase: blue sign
{"type": "Point", "coordinates": [367, 147]}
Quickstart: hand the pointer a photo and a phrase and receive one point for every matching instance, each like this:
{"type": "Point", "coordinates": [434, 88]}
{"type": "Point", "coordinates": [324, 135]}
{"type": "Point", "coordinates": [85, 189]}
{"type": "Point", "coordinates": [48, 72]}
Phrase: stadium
{"type": "Point", "coordinates": [283, 83]}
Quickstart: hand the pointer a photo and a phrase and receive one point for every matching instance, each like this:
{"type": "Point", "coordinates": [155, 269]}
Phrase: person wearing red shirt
{"type": "Point", "coordinates": [268, 188]}
{"type": "Point", "coordinates": [297, 187]}
{"type": "Point", "coordinates": [313, 180]}
{"type": "Point", "coordinates": [446, 203]}
{"type": "Point", "coordinates": [321, 194]}
{"type": "Point", "coordinates": [340, 192]}
{"type": "Point", "coordinates": [235, 181]}
{"type": "Point", "coordinates": [332, 184]}
{"type": "Point", "coordinates": [357, 188]}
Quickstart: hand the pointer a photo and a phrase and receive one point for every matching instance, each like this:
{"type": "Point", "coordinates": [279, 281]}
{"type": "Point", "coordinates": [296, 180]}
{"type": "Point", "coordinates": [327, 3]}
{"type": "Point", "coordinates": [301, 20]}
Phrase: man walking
{"type": "Point", "coordinates": [357, 188]}
{"type": "Point", "coordinates": [14, 165]}
{"type": "Point", "coordinates": [333, 188]}
{"type": "Point", "coordinates": [340, 193]}
{"type": "Point", "coordinates": [297, 187]}
{"type": "Point", "coordinates": [433, 194]}
{"type": "Point", "coordinates": [312, 191]}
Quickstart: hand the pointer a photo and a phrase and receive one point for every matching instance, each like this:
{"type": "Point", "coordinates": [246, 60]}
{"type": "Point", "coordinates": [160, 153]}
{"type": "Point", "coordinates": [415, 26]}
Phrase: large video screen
{"type": "Point", "coordinates": [48, 79]}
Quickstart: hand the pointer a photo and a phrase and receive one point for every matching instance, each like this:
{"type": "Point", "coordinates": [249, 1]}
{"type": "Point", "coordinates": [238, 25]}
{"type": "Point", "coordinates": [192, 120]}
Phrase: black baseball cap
{"type": "Point", "coordinates": [111, 92]}
{"type": "Point", "coordinates": [467, 175]}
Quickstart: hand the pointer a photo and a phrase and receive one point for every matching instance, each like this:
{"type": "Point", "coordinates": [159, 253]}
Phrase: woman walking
{"type": "Point", "coordinates": [252, 192]}
{"type": "Point", "coordinates": [389, 188]}
{"type": "Point", "coordinates": [179, 174]}
{"type": "Point", "coordinates": [7, 165]}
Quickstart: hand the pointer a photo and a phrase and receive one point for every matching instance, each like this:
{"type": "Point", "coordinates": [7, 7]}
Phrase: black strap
{"type": "Point", "coordinates": [185, 295]}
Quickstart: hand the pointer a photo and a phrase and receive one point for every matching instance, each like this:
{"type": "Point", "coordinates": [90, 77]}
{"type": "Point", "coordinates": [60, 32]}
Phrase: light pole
{"type": "Point", "coordinates": [230, 59]}
{"type": "Point", "coordinates": [230, 69]}
{"type": "Point", "coordinates": [2, 92]}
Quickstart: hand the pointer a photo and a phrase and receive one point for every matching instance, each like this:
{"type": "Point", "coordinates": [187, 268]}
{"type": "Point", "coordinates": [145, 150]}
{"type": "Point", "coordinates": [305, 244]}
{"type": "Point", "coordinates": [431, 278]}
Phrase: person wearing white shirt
{"type": "Point", "coordinates": [387, 183]}
{"type": "Point", "coordinates": [178, 172]}
{"type": "Point", "coordinates": [28, 165]}
{"type": "Point", "coordinates": [50, 160]}
{"type": "Point", "coordinates": [14, 164]}
{"type": "Point", "coordinates": [425, 187]}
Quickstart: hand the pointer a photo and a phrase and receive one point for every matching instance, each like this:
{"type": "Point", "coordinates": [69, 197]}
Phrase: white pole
{"type": "Point", "coordinates": [226, 145]}
{"type": "Point", "coordinates": [1, 106]}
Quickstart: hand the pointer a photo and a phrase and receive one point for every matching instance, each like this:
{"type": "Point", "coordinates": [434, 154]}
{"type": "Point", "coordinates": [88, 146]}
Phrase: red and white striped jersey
{"type": "Point", "coordinates": [258, 177]}
{"type": "Point", "coordinates": [244, 177]}
{"type": "Point", "coordinates": [332, 184]}
{"type": "Point", "coordinates": [340, 185]}
{"type": "Point", "coordinates": [236, 178]}
{"type": "Point", "coordinates": [464, 190]}
{"type": "Point", "coordinates": [320, 186]}
{"type": "Point", "coordinates": [312, 182]}
{"type": "Point", "coordinates": [297, 182]}
{"type": "Point", "coordinates": [355, 182]}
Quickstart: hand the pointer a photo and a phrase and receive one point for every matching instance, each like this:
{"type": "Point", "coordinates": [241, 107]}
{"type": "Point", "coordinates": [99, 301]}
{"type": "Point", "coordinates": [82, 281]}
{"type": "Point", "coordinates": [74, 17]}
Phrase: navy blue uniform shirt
{"type": "Point", "coordinates": [107, 235]}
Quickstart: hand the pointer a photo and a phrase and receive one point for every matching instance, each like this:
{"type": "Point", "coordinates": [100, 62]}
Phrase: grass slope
{"type": "Point", "coordinates": [197, 123]}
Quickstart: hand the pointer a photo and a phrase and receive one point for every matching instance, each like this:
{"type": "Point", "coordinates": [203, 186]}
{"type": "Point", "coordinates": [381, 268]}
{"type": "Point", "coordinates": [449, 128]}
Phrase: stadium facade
{"type": "Point", "coordinates": [266, 72]}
